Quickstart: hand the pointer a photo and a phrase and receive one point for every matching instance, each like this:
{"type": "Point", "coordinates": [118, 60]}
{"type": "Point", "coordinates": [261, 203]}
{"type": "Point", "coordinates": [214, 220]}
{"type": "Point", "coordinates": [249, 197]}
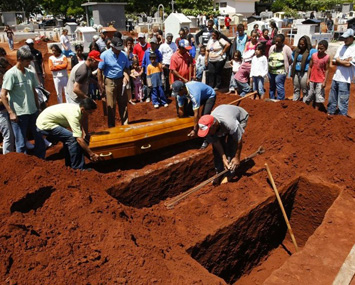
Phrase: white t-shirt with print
{"type": "Point", "coordinates": [167, 50]}
{"type": "Point", "coordinates": [343, 73]}
{"type": "Point", "coordinates": [215, 48]}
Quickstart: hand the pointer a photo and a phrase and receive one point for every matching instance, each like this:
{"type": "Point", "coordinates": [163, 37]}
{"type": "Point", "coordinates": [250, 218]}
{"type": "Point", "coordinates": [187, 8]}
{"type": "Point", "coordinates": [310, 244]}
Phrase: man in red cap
{"type": "Point", "coordinates": [79, 79]}
{"type": "Point", "coordinates": [224, 129]}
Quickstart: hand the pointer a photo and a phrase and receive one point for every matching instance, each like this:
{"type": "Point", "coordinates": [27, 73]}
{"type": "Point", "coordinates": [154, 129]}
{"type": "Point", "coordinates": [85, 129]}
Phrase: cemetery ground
{"type": "Point", "coordinates": [111, 225]}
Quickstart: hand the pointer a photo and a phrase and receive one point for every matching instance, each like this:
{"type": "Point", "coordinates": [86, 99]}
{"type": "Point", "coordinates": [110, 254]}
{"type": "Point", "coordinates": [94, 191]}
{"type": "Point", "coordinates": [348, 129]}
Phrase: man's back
{"type": "Point", "coordinates": [228, 115]}
{"type": "Point", "coordinates": [64, 115]}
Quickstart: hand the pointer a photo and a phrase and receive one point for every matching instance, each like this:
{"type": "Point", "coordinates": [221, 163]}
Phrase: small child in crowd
{"type": "Point", "coordinates": [136, 74]}
{"type": "Point", "coordinates": [318, 75]}
{"type": "Point", "coordinates": [236, 62]}
{"type": "Point", "coordinates": [200, 63]}
{"type": "Point", "coordinates": [243, 74]}
{"type": "Point", "coordinates": [258, 71]}
{"type": "Point", "coordinates": [155, 81]}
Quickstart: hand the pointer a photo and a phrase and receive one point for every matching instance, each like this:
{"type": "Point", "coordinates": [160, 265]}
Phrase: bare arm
{"type": "Point", "coordinates": [235, 162]}
{"type": "Point", "coordinates": [100, 78]}
{"type": "Point", "coordinates": [326, 73]}
{"type": "Point", "coordinates": [93, 156]}
{"type": "Point", "coordinates": [226, 47]}
{"type": "Point", "coordinates": [206, 57]}
{"type": "Point", "coordinates": [5, 101]}
{"type": "Point", "coordinates": [309, 71]}
{"type": "Point", "coordinates": [175, 73]}
{"type": "Point", "coordinates": [196, 118]}
{"type": "Point", "coordinates": [78, 90]}
{"type": "Point", "coordinates": [218, 146]}
{"type": "Point", "coordinates": [345, 62]}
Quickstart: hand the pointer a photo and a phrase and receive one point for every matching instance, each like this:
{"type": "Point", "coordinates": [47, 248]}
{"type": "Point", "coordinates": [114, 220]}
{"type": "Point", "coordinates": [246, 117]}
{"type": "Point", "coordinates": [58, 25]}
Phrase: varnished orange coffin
{"type": "Point", "coordinates": [130, 140]}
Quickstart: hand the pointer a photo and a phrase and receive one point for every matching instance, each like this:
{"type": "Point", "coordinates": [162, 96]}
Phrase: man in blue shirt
{"type": "Point", "coordinates": [196, 95]}
{"type": "Point", "coordinates": [113, 76]}
{"type": "Point", "coordinates": [154, 47]}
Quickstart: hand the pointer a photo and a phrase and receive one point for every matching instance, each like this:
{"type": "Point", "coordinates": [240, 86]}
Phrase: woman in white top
{"type": "Point", "coordinates": [64, 40]}
{"type": "Point", "coordinates": [215, 59]}
{"type": "Point", "coordinates": [58, 64]}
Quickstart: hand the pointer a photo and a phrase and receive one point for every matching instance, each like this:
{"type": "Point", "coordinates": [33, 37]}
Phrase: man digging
{"type": "Point", "coordinates": [224, 129]}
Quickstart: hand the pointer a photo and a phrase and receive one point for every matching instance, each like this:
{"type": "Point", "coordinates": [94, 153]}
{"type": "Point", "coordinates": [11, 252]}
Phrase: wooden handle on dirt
{"type": "Point", "coordinates": [281, 206]}
{"type": "Point", "coordinates": [246, 96]}
{"type": "Point", "coordinates": [176, 200]}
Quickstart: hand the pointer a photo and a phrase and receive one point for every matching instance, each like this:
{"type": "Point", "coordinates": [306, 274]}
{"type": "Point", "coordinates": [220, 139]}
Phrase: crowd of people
{"type": "Point", "coordinates": [154, 68]}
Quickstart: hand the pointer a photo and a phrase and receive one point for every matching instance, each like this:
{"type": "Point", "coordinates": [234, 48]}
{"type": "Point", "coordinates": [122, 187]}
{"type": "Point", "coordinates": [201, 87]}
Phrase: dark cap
{"type": "Point", "coordinates": [117, 44]}
{"type": "Point", "coordinates": [176, 87]}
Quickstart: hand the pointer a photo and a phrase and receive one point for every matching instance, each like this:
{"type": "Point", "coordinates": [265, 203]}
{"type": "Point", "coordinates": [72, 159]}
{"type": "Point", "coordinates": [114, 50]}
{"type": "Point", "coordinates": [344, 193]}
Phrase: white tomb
{"type": "Point", "coordinates": [84, 35]}
{"type": "Point", "coordinates": [175, 22]}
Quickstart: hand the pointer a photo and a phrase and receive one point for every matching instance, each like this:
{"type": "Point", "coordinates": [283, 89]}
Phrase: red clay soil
{"type": "Point", "coordinates": [61, 226]}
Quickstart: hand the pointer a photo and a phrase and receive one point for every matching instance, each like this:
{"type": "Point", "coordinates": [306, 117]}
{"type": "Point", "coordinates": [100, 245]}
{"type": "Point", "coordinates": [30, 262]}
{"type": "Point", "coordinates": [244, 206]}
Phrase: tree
{"type": "Point", "coordinates": [193, 4]}
{"type": "Point", "coordinates": [28, 6]}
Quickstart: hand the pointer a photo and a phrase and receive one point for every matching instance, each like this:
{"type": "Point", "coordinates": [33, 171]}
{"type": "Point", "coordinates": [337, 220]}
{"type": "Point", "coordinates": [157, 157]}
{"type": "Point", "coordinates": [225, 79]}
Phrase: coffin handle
{"type": "Point", "coordinates": [106, 155]}
{"type": "Point", "coordinates": [146, 146]}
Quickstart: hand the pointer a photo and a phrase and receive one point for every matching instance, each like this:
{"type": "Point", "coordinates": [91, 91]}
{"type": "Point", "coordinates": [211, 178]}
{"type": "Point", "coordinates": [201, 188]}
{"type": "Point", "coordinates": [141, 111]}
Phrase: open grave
{"type": "Point", "coordinates": [247, 251]}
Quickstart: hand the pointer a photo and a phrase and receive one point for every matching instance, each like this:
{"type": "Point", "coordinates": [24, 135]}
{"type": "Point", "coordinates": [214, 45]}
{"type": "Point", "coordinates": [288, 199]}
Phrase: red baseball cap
{"type": "Point", "coordinates": [204, 125]}
{"type": "Point", "coordinates": [94, 54]}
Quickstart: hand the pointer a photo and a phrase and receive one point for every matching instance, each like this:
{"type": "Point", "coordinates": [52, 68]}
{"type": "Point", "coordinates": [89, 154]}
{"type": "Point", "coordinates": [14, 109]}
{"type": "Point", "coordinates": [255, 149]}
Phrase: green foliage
{"type": "Point", "coordinates": [193, 4]}
{"type": "Point", "coordinates": [323, 4]}
{"type": "Point", "coordinates": [291, 7]}
{"type": "Point", "coordinates": [28, 6]}
{"type": "Point", "coordinates": [75, 11]}
{"type": "Point", "coordinates": [147, 6]}
{"type": "Point", "coordinates": [195, 12]}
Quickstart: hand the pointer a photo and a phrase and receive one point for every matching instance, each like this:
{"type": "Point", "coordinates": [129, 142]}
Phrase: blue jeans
{"type": "Point", "coordinates": [199, 72]}
{"type": "Point", "coordinates": [6, 131]}
{"type": "Point", "coordinates": [11, 44]}
{"type": "Point", "coordinates": [277, 83]}
{"type": "Point", "coordinates": [233, 83]}
{"type": "Point", "coordinates": [158, 96]}
{"type": "Point", "coordinates": [20, 128]}
{"type": "Point", "coordinates": [258, 84]}
{"type": "Point", "coordinates": [243, 88]}
{"type": "Point", "coordinates": [74, 156]}
{"type": "Point", "coordinates": [339, 96]}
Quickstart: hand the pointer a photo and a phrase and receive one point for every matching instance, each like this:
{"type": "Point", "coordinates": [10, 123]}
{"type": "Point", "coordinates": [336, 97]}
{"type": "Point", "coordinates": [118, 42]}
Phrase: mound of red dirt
{"type": "Point", "coordinates": [64, 226]}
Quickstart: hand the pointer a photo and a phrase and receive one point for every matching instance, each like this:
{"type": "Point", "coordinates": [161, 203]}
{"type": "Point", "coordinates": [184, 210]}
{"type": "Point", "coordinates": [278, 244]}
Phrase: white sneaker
{"type": "Point", "coordinates": [166, 105]}
{"type": "Point", "coordinates": [156, 106]}
{"type": "Point", "coordinates": [147, 100]}
{"type": "Point", "coordinates": [29, 145]}
{"type": "Point", "coordinates": [47, 143]}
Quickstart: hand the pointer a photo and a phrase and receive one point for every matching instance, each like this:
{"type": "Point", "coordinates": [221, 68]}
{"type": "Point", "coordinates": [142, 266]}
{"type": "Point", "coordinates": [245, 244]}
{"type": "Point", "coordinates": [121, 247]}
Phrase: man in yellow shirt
{"type": "Point", "coordinates": [53, 123]}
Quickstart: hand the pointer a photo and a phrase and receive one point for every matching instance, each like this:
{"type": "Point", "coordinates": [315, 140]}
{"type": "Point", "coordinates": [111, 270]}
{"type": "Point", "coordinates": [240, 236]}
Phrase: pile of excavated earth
{"type": "Point", "coordinates": [112, 226]}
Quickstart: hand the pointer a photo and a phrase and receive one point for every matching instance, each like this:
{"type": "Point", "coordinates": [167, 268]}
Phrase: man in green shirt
{"type": "Point", "coordinates": [21, 102]}
{"type": "Point", "coordinates": [53, 123]}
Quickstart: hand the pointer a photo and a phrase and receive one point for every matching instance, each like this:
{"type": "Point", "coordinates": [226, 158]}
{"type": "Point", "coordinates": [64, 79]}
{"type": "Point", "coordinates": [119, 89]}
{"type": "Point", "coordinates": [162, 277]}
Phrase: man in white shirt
{"type": "Point", "coordinates": [101, 42]}
{"type": "Point", "coordinates": [344, 59]}
{"type": "Point", "coordinates": [167, 49]}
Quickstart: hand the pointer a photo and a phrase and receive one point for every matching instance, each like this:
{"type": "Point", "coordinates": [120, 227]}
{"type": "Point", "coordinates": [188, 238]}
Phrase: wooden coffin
{"type": "Point", "coordinates": [139, 138]}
